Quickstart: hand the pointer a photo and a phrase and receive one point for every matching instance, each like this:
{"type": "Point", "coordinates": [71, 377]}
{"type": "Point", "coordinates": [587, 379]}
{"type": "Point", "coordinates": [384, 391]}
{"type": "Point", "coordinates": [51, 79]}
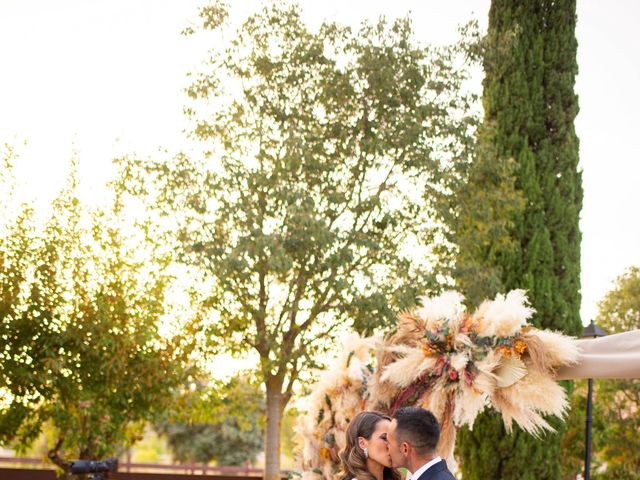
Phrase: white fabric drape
{"type": "Point", "coordinates": [613, 356]}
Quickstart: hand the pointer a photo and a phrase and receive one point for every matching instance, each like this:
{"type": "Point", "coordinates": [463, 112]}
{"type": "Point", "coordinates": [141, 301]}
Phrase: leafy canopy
{"type": "Point", "coordinates": [222, 421]}
{"type": "Point", "coordinates": [79, 324]}
{"type": "Point", "coordinates": [313, 207]}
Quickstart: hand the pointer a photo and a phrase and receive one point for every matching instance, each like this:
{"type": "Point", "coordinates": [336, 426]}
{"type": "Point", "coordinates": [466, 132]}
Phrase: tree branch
{"type": "Point", "coordinates": [54, 456]}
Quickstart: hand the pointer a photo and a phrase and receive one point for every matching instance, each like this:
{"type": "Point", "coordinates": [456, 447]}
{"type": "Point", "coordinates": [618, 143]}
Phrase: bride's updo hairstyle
{"type": "Point", "coordinates": [352, 457]}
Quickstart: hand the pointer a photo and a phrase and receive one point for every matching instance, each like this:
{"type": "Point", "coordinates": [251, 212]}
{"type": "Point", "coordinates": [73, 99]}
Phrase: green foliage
{"type": "Point", "coordinates": [619, 310]}
{"type": "Point", "coordinates": [530, 106]}
{"type": "Point", "coordinates": [233, 433]}
{"type": "Point", "coordinates": [80, 346]}
{"type": "Point", "coordinates": [508, 456]}
{"type": "Point", "coordinates": [290, 444]}
{"type": "Point", "coordinates": [572, 444]}
{"type": "Point", "coordinates": [482, 202]}
{"type": "Point", "coordinates": [317, 176]}
{"type": "Point", "coordinates": [617, 443]}
{"type": "Point", "coordinates": [479, 203]}
{"type": "Point", "coordinates": [313, 209]}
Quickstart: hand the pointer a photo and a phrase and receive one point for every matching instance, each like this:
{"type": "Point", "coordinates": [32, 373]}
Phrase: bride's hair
{"type": "Point", "coordinates": [354, 463]}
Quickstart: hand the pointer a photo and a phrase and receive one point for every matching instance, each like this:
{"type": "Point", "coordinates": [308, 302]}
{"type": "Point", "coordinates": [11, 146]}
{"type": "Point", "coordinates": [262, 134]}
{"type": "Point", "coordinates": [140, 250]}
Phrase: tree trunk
{"type": "Point", "coordinates": [275, 407]}
{"type": "Point", "coordinates": [54, 455]}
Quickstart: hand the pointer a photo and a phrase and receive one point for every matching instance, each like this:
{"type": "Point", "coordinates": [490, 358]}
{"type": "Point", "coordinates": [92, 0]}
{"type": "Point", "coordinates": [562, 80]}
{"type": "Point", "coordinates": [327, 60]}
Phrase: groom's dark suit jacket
{"type": "Point", "coordinates": [439, 471]}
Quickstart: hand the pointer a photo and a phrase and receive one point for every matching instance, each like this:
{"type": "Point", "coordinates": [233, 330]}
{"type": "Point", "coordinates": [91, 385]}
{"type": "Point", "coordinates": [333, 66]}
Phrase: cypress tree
{"type": "Point", "coordinates": [530, 105]}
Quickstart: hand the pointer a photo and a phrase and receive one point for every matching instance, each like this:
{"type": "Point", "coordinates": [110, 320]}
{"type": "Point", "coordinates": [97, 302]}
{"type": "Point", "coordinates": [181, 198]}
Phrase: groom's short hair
{"type": "Point", "coordinates": [418, 427]}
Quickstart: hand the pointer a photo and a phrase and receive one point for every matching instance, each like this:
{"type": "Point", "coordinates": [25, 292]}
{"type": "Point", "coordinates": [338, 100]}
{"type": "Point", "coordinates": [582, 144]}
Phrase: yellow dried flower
{"type": "Point", "coordinates": [519, 347]}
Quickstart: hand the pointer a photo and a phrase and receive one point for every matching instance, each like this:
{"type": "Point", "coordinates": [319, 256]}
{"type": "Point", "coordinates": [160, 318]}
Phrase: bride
{"type": "Point", "coordinates": [366, 453]}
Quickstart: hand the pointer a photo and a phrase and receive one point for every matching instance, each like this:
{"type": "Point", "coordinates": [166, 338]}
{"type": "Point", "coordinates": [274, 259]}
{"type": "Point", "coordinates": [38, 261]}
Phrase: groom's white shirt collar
{"type": "Point", "coordinates": [424, 468]}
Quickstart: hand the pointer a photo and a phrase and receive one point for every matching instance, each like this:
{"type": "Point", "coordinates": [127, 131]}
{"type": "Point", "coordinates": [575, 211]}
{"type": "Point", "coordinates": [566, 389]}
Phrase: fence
{"type": "Point", "coordinates": [43, 474]}
{"type": "Point", "coordinates": [12, 468]}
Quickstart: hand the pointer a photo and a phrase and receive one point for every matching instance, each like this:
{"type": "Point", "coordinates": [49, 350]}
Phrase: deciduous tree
{"type": "Point", "coordinates": [313, 209]}
{"type": "Point", "coordinates": [81, 348]}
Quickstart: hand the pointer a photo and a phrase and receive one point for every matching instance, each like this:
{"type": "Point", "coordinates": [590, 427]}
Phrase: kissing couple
{"type": "Point", "coordinates": [378, 445]}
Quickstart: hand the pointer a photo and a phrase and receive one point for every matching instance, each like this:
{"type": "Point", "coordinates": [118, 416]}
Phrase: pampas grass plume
{"type": "Point", "coordinates": [504, 316]}
{"type": "Point", "coordinates": [446, 306]}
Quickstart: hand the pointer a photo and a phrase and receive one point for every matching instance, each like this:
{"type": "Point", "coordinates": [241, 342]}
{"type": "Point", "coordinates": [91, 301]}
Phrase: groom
{"type": "Point", "coordinates": [412, 438]}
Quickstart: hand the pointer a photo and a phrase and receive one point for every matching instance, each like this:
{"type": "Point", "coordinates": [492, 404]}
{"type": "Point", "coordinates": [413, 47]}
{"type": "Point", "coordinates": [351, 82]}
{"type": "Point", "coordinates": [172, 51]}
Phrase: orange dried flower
{"type": "Point", "coordinates": [504, 351]}
{"type": "Point", "coordinates": [519, 347]}
{"type": "Point", "coordinates": [468, 325]}
{"type": "Point", "coordinates": [428, 350]}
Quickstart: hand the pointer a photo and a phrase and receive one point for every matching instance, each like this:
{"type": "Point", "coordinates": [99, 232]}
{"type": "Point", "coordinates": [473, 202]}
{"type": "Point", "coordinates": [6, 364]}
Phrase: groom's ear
{"type": "Point", "coordinates": [404, 448]}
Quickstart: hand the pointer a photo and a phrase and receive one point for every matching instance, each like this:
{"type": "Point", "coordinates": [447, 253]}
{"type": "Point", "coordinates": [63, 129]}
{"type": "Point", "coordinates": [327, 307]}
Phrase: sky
{"type": "Point", "coordinates": [105, 77]}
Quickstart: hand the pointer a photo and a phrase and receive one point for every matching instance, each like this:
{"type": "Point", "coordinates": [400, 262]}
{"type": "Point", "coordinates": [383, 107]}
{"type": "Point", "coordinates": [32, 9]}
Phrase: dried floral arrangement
{"type": "Point", "coordinates": [445, 359]}
{"type": "Point", "coordinates": [342, 391]}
